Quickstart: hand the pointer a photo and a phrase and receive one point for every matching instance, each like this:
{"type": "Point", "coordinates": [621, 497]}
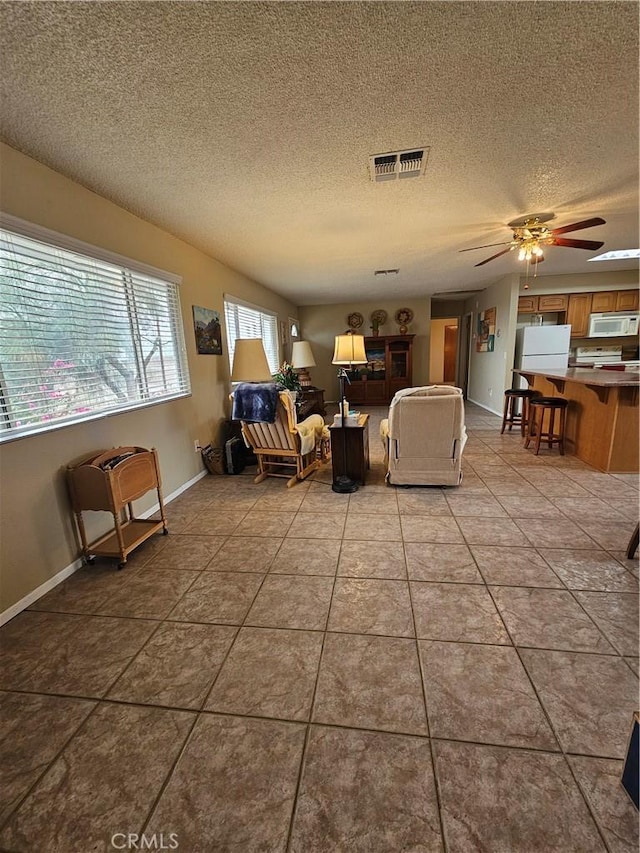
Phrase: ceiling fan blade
{"type": "Point", "coordinates": [577, 226]}
{"type": "Point", "coordinates": [591, 245]}
{"type": "Point", "coordinates": [487, 246]}
{"type": "Point", "coordinates": [486, 261]}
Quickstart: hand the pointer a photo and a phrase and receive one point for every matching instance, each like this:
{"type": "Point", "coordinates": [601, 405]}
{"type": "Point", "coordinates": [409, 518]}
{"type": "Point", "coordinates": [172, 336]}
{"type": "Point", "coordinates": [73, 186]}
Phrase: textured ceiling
{"type": "Point", "coordinates": [245, 128]}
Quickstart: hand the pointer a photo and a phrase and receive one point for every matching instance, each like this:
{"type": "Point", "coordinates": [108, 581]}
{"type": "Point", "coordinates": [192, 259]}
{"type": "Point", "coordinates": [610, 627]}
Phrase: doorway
{"type": "Point", "coordinates": [450, 353]}
{"type": "Point", "coordinates": [443, 351]}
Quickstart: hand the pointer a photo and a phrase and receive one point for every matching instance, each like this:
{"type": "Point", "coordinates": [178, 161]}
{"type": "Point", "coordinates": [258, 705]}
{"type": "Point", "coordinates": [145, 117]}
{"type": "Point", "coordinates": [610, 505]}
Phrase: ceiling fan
{"type": "Point", "coordinates": [530, 234]}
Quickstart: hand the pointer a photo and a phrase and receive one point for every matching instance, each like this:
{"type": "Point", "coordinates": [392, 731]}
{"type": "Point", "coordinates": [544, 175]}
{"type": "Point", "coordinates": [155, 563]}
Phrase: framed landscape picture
{"type": "Point", "coordinates": [206, 323]}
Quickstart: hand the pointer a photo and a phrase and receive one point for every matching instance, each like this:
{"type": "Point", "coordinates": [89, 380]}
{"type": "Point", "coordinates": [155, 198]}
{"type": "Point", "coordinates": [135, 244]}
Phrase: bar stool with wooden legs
{"type": "Point", "coordinates": [510, 414]}
{"type": "Point", "coordinates": [539, 406]}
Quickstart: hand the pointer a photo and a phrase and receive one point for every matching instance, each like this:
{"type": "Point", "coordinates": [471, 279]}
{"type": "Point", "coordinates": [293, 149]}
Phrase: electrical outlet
{"type": "Point", "coordinates": [196, 446]}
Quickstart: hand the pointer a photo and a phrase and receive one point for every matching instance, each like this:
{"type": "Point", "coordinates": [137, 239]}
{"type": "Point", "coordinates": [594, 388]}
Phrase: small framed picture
{"type": "Point", "coordinates": [206, 324]}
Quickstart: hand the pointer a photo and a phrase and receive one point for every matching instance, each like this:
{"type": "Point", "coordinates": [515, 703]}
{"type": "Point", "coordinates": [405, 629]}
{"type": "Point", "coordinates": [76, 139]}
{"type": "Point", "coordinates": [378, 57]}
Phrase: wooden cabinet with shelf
{"type": "Point", "coordinates": [389, 369]}
{"type": "Point", "coordinates": [110, 482]}
{"type": "Point", "coordinates": [527, 305]}
{"type": "Point", "coordinates": [604, 301]}
{"type": "Point", "coordinates": [627, 300]}
{"type": "Point", "coordinates": [552, 302]}
{"type": "Point", "coordinates": [578, 314]}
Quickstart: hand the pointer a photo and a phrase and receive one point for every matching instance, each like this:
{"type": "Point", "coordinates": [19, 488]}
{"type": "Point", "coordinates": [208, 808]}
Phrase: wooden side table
{"type": "Point", "coordinates": [310, 401]}
{"type": "Point", "coordinates": [357, 444]}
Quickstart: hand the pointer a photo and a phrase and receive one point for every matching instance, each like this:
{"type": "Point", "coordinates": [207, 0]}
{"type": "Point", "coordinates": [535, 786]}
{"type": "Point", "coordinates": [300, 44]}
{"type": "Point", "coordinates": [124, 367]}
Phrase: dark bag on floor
{"type": "Point", "coordinates": [213, 459]}
{"type": "Point", "coordinates": [234, 456]}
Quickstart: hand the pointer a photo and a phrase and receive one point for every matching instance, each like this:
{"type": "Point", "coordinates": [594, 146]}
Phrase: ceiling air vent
{"type": "Point", "coordinates": [397, 165]}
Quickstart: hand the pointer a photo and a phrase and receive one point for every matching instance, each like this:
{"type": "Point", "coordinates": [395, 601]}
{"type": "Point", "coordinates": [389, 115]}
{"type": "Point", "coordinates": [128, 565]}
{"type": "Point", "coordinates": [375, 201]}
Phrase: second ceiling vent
{"type": "Point", "coordinates": [397, 165]}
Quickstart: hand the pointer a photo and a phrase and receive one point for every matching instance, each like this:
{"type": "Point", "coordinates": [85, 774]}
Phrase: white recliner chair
{"type": "Point", "coordinates": [424, 436]}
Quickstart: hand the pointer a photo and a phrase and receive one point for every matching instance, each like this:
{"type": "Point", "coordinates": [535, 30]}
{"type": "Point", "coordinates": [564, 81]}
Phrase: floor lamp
{"type": "Point", "coordinates": [349, 350]}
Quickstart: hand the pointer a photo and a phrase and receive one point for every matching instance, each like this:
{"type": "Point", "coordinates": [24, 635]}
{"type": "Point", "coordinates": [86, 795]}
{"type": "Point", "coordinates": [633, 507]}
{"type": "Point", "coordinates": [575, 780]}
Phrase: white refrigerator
{"type": "Point", "coordinates": [542, 348]}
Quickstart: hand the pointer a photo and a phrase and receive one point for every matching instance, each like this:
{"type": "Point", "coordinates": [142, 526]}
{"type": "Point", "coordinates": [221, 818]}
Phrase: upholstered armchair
{"type": "Point", "coordinates": [285, 443]}
{"type": "Point", "coordinates": [424, 436]}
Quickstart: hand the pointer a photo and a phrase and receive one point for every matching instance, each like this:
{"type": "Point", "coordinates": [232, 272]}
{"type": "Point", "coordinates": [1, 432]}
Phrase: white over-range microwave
{"type": "Point", "coordinates": [613, 325]}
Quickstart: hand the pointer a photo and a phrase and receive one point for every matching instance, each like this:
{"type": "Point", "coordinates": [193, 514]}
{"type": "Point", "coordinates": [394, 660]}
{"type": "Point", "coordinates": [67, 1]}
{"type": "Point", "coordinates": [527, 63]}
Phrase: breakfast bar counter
{"type": "Point", "coordinates": [602, 416]}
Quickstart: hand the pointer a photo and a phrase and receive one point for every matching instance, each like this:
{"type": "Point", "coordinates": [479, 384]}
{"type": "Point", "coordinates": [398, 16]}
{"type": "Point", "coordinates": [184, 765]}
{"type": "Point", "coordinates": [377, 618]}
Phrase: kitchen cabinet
{"type": "Point", "coordinates": [604, 301]}
{"type": "Point", "coordinates": [627, 300]}
{"type": "Point", "coordinates": [110, 482]}
{"type": "Point", "coordinates": [553, 302]}
{"type": "Point", "coordinates": [388, 369]}
{"type": "Point", "coordinates": [578, 313]}
{"type": "Point", "coordinates": [527, 305]}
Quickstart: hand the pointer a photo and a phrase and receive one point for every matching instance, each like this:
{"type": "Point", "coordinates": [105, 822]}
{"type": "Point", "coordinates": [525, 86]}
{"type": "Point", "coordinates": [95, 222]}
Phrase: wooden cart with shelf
{"type": "Point", "coordinates": [110, 482]}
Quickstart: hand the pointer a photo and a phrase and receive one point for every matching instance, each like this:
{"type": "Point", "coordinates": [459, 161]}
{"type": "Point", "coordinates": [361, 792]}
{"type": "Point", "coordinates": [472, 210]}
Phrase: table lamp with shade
{"type": "Point", "coordinates": [250, 362]}
{"type": "Point", "coordinates": [349, 350]}
{"type": "Point", "coordinates": [301, 359]}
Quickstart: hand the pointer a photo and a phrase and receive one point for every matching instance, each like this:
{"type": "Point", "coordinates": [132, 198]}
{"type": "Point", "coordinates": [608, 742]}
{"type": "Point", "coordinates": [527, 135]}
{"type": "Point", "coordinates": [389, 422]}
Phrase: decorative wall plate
{"type": "Point", "coordinates": [355, 320]}
{"type": "Point", "coordinates": [403, 316]}
{"type": "Point", "coordinates": [379, 317]}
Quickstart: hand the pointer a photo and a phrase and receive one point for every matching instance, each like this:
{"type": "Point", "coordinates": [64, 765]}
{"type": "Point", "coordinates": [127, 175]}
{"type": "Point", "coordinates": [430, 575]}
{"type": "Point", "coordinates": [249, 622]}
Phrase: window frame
{"type": "Point", "coordinates": [228, 298]}
{"type": "Point", "coordinates": [127, 266]}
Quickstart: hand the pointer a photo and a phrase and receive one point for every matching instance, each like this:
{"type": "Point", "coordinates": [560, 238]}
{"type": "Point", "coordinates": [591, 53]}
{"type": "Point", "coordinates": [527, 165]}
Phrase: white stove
{"type": "Point", "coordinates": [598, 355]}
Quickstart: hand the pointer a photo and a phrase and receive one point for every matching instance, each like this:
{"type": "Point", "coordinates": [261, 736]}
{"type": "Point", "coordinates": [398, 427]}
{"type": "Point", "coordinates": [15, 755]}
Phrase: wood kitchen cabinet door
{"type": "Point", "coordinates": [603, 302]}
{"type": "Point", "coordinates": [555, 302]}
{"type": "Point", "coordinates": [578, 314]}
{"type": "Point", "coordinates": [627, 300]}
{"type": "Point", "coordinates": [527, 304]}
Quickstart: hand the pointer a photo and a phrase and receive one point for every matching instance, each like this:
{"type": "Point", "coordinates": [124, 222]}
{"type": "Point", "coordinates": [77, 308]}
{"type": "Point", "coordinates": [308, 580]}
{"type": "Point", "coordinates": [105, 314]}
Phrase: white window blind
{"type": "Point", "coordinates": [82, 337]}
{"type": "Point", "coordinates": [247, 321]}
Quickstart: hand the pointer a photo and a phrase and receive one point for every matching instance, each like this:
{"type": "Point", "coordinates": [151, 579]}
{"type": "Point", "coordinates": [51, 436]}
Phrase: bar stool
{"type": "Point", "coordinates": [510, 413]}
{"type": "Point", "coordinates": [538, 407]}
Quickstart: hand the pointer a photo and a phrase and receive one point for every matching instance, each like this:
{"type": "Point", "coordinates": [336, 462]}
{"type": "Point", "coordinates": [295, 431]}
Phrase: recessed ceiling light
{"type": "Point", "coordinates": [617, 255]}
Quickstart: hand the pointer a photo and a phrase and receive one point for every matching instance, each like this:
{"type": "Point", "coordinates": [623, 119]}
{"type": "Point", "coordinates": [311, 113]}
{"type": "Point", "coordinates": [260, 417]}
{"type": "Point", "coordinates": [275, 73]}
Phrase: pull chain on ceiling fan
{"type": "Point", "coordinates": [530, 234]}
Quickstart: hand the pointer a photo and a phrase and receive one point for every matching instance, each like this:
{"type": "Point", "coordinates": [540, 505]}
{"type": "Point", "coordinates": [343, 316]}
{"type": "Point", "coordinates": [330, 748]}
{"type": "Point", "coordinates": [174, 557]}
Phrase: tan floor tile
{"type": "Point", "coordinates": [182, 551]}
{"type": "Point", "coordinates": [270, 524]}
{"type": "Point", "coordinates": [374, 501]}
{"type": "Point", "coordinates": [599, 779]}
{"type": "Point", "coordinates": [590, 570]}
{"type": "Point", "coordinates": [482, 693]}
{"type": "Point", "coordinates": [548, 619]}
{"type": "Point", "coordinates": [235, 783]}
{"type": "Point", "coordinates": [270, 673]}
{"type": "Point", "coordinates": [475, 505]}
{"type": "Point", "coordinates": [307, 557]}
{"type": "Point", "coordinates": [350, 799]}
{"type": "Point", "coordinates": [176, 667]}
{"type": "Point", "coordinates": [455, 611]}
{"type": "Point", "coordinates": [34, 729]}
{"type": "Point", "coordinates": [550, 533]}
{"type": "Point", "coordinates": [85, 590]}
{"type": "Point", "coordinates": [514, 567]}
{"type": "Point", "coordinates": [148, 594]}
{"type": "Point", "coordinates": [590, 699]}
{"type": "Point", "coordinates": [315, 525]}
{"type": "Point", "coordinates": [290, 601]}
{"type": "Point", "coordinates": [216, 522]}
{"type": "Point", "coordinates": [426, 529]}
{"type": "Point", "coordinates": [491, 531]}
{"type": "Point", "coordinates": [616, 614]}
{"type": "Point", "coordinates": [372, 559]}
{"type": "Point", "coordinates": [371, 607]}
{"type": "Point", "coordinates": [484, 806]}
{"type": "Point", "coordinates": [610, 535]}
{"type": "Point", "coordinates": [245, 554]}
{"type": "Point", "coordinates": [530, 506]}
{"type": "Point", "coordinates": [105, 781]}
{"type": "Point", "coordinates": [374, 527]}
{"type": "Point", "coordinates": [218, 597]}
{"type": "Point", "coordinates": [433, 562]}
{"type": "Point", "coordinates": [370, 682]}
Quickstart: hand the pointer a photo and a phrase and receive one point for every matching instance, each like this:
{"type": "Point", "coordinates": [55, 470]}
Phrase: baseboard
{"type": "Point", "coordinates": [63, 574]}
{"type": "Point", "coordinates": [486, 408]}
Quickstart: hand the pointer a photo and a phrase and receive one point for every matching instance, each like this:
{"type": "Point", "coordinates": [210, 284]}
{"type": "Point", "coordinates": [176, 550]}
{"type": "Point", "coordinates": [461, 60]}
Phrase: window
{"type": "Point", "coordinates": [249, 321]}
{"type": "Point", "coordinates": [83, 332]}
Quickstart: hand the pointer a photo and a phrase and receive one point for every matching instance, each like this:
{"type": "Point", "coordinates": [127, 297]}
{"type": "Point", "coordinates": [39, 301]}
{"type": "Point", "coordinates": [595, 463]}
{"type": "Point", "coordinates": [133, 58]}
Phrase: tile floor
{"type": "Point", "coordinates": [295, 670]}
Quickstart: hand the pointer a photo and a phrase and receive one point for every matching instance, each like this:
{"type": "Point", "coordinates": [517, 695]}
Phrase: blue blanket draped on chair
{"type": "Point", "coordinates": [255, 402]}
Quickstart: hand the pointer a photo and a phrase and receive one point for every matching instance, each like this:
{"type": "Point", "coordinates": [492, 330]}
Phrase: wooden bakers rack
{"type": "Point", "coordinates": [110, 482]}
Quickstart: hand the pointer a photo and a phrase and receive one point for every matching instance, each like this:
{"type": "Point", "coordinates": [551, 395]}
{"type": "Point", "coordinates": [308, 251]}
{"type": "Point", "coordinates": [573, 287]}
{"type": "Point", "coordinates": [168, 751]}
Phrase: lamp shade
{"type": "Point", "coordinates": [349, 349]}
{"type": "Point", "coordinates": [301, 355]}
{"type": "Point", "coordinates": [250, 362]}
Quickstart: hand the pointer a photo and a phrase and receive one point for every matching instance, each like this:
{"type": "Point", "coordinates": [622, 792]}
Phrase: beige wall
{"type": "Point", "coordinates": [600, 279]}
{"type": "Point", "coordinates": [321, 323]}
{"type": "Point", "coordinates": [36, 534]}
{"type": "Point", "coordinates": [490, 372]}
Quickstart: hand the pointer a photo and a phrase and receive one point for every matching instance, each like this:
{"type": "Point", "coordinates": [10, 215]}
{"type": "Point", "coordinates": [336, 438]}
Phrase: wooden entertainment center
{"type": "Point", "coordinates": [389, 369]}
